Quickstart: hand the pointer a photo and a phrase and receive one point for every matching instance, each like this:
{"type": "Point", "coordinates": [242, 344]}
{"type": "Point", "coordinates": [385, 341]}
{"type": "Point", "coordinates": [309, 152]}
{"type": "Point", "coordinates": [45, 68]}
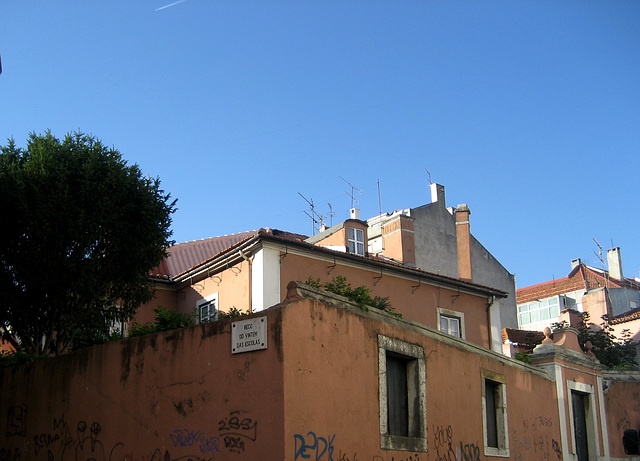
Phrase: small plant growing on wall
{"type": "Point", "coordinates": [360, 295]}
{"type": "Point", "coordinates": [231, 313]}
{"type": "Point", "coordinates": [165, 320]}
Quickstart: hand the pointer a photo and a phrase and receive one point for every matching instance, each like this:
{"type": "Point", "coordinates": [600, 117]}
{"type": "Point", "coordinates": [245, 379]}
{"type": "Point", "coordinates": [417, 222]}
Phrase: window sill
{"type": "Point", "coordinates": [397, 442]}
{"type": "Point", "coordinates": [501, 452]}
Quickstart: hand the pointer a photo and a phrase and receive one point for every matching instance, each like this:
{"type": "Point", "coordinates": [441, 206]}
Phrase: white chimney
{"type": "Point", "coordinates": [437, 193]}
{"type": "Point", "coordinates": [614, 260]}
{"type": "Point", "coordinates": [355, 213]}
{"type": "Point", "coordinates": [575, 263]}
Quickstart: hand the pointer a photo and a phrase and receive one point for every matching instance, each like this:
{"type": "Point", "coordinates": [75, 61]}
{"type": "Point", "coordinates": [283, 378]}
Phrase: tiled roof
{"type": "Point", "coordinates": [184, 256]}
{"type": "Point", "coordinates": [632, 314]}
{"type": "Point", "coordinates": [582, 277]}
{"type": "Point", "coordinates": [522, 337]}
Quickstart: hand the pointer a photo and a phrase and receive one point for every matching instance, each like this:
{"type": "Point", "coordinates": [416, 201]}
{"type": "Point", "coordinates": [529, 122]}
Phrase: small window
{"type": "Point", "coordinates": [494, 409]}
{"type": "Point", "coordinates": [451, 322]}
{"type": "Point", "coordinates": [207, 309]}
{"type": "Point", "coordinates": [356, 241]}
{"type": "Point", "coordinates": [450, 325]}
{"type": "Point", "coordinates": [402, 387]}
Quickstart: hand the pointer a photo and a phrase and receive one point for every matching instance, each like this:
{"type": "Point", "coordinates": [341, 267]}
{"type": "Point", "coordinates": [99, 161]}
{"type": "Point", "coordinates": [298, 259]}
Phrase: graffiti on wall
{"type": "Point", "coordinates": [313, 447]}
{"type": "Point", "coordinates": [237, 430]}
{"type": "Point", "coordinates": [81, 440]}
{"type": "Point", "coordinates": [17, 421]}
{"type": "Point", "coordinates": [447, 450]}
{"type": "Point", "coordinates": [531, 438]}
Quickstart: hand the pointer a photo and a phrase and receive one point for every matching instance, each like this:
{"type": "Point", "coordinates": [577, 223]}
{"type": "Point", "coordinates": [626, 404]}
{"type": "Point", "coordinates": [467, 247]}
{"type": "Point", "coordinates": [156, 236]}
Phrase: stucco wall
{"type": "Point", "coordinates": [623, 407]}
{"type": "Point", "coordinates": [435, 239]}
{"type": "Point", "coordinates": [176, 395]}
{"type": "Point", "coordinates": [331, 391]}
{"type": "Point", "coordinates": [312, 394]}
{"type": "Point", "coordinates": [414, 301]}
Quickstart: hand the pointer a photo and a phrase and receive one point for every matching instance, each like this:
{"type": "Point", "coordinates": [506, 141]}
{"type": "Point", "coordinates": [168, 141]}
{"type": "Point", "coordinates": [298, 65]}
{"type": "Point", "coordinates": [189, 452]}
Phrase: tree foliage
{"type": "Point", "coordinates": [612, 352]}
{"type": "Point", "coordinates": [80, 231]}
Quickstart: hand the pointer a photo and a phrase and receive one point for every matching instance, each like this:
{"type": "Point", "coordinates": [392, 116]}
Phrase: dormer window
{"type": "Point", "coordinates": [356, 241]}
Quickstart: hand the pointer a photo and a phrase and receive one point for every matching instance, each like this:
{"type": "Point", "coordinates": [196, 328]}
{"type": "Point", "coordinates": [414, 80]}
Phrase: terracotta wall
{"type": "Point", "coordinates": [623, 408]}
{"type": "Point", "coordinates": [232, 286]}
{"type": "Point", "coordinates": [414, 301]}
{"type": "Point", "coordinates": [311, 395]}
{"type": "Point", "coordinates": [331, 392]}
{"type": "Point", "coordinates": [176, 395]}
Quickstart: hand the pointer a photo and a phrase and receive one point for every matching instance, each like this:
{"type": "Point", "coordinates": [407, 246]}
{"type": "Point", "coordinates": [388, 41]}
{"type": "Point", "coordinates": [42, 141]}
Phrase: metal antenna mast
{"type": "Point", "coordinates": [330, 215]}
{"type": "Point", "coordinates": [353, 189]}
{"type": "Point", "coordinates": [599, 254]}
{"type": "Point", "coordinates": [316, 218]}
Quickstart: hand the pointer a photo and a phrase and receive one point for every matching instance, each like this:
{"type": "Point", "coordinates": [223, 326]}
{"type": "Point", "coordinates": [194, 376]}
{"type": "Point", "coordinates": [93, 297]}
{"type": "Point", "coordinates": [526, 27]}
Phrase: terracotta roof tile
{"type": "Point", "coordinates": [582, 277]}
{"type": "Point", "coordinates": [522, 337]}
{"type": "Point", "coordinates": [632, 314]}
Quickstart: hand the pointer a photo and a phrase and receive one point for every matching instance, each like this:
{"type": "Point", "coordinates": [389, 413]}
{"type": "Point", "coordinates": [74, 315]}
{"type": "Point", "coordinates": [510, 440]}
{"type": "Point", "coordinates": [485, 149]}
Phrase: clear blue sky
{"type": "Point", "coordinates": [527, 111]}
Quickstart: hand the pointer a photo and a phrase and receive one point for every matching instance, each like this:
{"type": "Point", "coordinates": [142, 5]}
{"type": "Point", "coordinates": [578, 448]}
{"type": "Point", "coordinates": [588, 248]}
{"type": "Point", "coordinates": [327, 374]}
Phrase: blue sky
{"type": "Point", "coordinates": [527, 111]}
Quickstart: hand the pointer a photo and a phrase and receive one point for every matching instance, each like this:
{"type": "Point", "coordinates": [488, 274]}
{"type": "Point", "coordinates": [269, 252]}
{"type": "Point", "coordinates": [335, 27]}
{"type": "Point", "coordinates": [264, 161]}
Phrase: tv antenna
{"type": "Point", "coordinates": [330, 215]}
{"type": "Point", "coordinates": [429, 176]}
{"type": "Point", "coordinates": [599, 254]}
{"type": "Point", "coordinates": [352, 194]}
{"type": "Point", "coordinates": [316, 218]}
{"type": "Point", "coordinates": [379, 199]}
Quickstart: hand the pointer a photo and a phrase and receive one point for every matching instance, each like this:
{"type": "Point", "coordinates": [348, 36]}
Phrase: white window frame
{"type": "Point", "coordinates": [355, 238]}
{"type": "Point", "coordinates": [417, 389]}
{"type": "Point", "coordinates": [212, 300]}
{"type": "Point", "coordinates": [540, 308]}
{"type": "Point", "coordinates": [502, 426]}
{"type": "Point", "coordinates": [448, 313]}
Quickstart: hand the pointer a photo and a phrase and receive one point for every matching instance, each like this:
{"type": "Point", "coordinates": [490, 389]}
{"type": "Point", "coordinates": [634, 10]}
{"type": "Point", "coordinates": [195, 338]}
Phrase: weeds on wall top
{"type": "Point", "coordinates": [165, 320]}
{"type": "Point", "coordinates": [360, 295]}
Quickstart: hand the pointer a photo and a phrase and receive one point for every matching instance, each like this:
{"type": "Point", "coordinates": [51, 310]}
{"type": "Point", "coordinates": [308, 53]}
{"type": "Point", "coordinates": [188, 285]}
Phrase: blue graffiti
{"type": "Point", "coordinates": [318, 446]}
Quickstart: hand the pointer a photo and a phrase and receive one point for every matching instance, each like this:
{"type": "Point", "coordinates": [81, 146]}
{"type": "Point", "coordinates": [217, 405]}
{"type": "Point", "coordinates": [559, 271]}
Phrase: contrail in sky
{"type": "Point", "coordinates": [170, 4]}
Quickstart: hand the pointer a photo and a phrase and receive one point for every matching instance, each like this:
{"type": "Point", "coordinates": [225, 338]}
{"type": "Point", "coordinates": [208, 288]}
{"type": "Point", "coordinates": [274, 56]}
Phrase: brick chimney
{"type": "Point", "coordinates": [398, 239]}
{"type": "Point", "coordinates": [614, 260]}
{"type": "Point", "coordinates": [463, 237]}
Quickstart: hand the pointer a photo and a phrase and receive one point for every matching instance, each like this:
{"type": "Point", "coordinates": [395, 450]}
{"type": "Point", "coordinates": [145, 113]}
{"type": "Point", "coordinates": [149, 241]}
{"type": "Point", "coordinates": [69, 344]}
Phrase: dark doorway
{"type": "Point", "coordinates": [579, 404]}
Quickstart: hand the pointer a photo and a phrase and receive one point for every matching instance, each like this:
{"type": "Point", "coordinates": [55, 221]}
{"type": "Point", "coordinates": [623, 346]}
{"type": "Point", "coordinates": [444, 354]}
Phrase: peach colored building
{"type": "Point", "coordinates": [249, 272]}
{"type": "Point", "coordinates": [313, 378]}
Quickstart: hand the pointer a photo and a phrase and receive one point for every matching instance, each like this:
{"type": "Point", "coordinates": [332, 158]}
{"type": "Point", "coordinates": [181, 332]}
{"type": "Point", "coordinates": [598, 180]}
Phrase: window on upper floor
{"type": "Point", "coordinates": [451, 322]}
{"type": "Point", "coordinates": [539, 311]}
{"type": "Point", "coordinates": [207, 309]}
{"type": "Point", "coordinates": [356, 241]}
{"type": "Point", "coordinates": [494, 409]}
{"type": "Point", "coordinates": [402, 388]}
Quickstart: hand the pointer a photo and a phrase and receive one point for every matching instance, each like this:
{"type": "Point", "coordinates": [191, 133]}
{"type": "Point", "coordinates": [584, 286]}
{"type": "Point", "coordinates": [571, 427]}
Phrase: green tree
{"type": "Point", "coordinates": [611, 351]}
{"type": "Point", "coordinates": [80, 231]}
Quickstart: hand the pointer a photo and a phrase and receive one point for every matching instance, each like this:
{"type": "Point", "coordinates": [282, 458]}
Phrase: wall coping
{"type": "Point", "coordinates": [299, 290]}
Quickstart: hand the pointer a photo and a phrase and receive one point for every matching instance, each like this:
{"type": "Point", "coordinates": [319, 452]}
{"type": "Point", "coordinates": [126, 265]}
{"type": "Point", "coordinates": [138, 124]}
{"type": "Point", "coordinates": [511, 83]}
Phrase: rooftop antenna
{"type": "Point", "coordinates": [330, 215]}
{"type": "Point", "coordinates": [599, 254]}
{"type": "Point", "coordinates": [429, 176]}
{"type": "Point", "coordinates": [353, 189]}
{"type": "Point", "coordinates": [379, 200]}
{"type": "Point", "coordinates": [316, 218]}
